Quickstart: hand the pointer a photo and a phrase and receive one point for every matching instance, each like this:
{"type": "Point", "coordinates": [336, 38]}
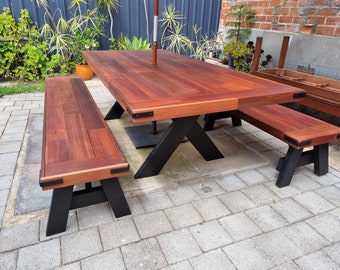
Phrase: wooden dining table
{"type": "Point", "coordinates": [180, 89]}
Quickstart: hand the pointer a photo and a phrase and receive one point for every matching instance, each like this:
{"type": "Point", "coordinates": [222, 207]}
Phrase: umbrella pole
{"type": "Point", "coordinates": [155, 32]}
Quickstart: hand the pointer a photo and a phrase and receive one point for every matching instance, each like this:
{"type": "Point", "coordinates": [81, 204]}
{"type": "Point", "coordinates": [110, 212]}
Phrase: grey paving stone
{"type": "Point", "coordinates": [333, 252]}
{"type": "Point", "coordinates": [269, 172]}
{"type": "Point", "coordinates": [303, 182]}
{"type": "Point", "coordinates": [330, 193]}
{"type": "Point", "coordinates": [252, 177]}
{"type": "Point", "coordinates": [94, 215]}
{"type": "Point", "coordinates": [276, 143]}
{"type": "Point", "coordinates": [152, 224]}
{"type": "Point", "coordinates": [236, 201]}
{"type": "Point", "coordinates": [12, 138]}
{"type": "Point", "coordinates": [259, 146]}
{"type": "Point", "coordinates": [4, 115]}
{"type": "Point", "coordinates": [155, 201]}
{"type": "Point", "coordinates": [231, 183]}
{"type": "Point", "coordinates": [211, 208]}
{"type": "Point", "coordinates": [145, 254]}
{"type": "Point", "coordinates": [44, 255]}
{"type": "Point", "coordinates": [182, 195]}
{"type": "Point", "coordinates": [210, 235]}
{"type": "Point", "coordinates": [239, 226]}
{"type": "Point", "coordinates": [79, 245]}
{"type": "Point", "coordinates": [284, 192]}
{"type": "Point", "coordinates": [313, 202]}
{"type": "Point", "coordinates": [278, 247]}
{"type": "Point", "coordinates": [71, 227]}
{"type": "Point", "coordinates": [14, 127]}
{"type": "Point", "coordinates": [183, 216]}
{"type": "Point", "coordinates": [317, 260]}
{"type": "Point", "coordinates": [266, 218]}
{"type": "Point", "coordinates": [119, 233]}
{"type": "Point", "coordinates": [208, 189]}
{"type": "Point", "coordinates": [30, 197]}
{"type": "Point", "coordinates": [71, 266]}
{"type": "Point", "coordinates": [305, 237]}
{"type": "Point", "coordinates": [3, 197]}
{"type": "Point", "coordinates": [8, 163]}
{"type": "Point", "coordinates": [10, 147]}
{"type": "Point", "coordinates": [327, 225]}
{"type": "Point", "coordinates": [324, 180]}
{"type": "Point", "coordinates": [2, 212]}
{"type": "Point", "coordinates": [108, 260]}
{"type": "Point", "coordinates": [179, 266]}
{"type": "Point", "coordinates": [246, 255]}
{"type": "Point", "coordinates": [19, 235]}
{"type": "Point", "coordinates": [260, 195]}
{"type": "Point", "coordinates": [23, 113]}
{"type": "Point", "coordinates": [213, 260]}
{"type": "Point", "coordinates": [8, 260]}
{"type": "Point", "coordinates": [287, 265]}
{"type": "Point", "coordinates": [291, 210]}
{"type": "Point", "coordinates": [178, 246]}
{"type": "Point", "coordinates": [335, 212]}
{"type": "Point", "coordinates": [135, 205]}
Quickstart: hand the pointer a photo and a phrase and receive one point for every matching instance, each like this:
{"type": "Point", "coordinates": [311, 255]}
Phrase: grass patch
{"type": "Point", "coordinates": [21, 88]}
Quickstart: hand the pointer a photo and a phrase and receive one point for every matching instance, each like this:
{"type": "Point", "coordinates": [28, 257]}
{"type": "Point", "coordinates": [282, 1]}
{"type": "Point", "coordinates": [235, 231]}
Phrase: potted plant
{"type": "Point", "coordinates": [81, 41]}
{"type": "Point", "coordinates": [68, 37]}
{"type": "Point", "coordinates": [237, 51]}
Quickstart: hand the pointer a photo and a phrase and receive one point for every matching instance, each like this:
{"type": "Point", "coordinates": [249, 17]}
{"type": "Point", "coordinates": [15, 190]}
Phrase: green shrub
{"type": "Point", "coordinates": [23, 56]}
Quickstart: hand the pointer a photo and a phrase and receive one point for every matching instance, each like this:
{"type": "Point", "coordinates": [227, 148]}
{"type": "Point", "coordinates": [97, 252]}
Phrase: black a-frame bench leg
{"type": "Point", "coordinates": [65, 199]}
{"type": "Point", "coordinates": [116, 197]}
{"type": "Point", "coordinates": [296, 157]}
{"type": "Point", "coordinates": [59, 210]}
{"type": "Point", "coordinates": [287, 166]}
{"type": "Point", "coordinates": [320, 157]}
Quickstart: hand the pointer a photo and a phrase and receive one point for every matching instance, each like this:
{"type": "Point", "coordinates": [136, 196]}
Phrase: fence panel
{"type": "Point", "coordinates": [132, 18]}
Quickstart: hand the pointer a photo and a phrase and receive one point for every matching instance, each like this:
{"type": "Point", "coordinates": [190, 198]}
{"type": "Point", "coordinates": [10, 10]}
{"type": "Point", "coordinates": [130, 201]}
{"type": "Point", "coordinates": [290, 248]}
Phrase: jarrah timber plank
{"type": "Point", "coordinates": [281, 121]}
{"type": "Point", "coordinates": [78, 146]}
{"type": "Point", "coordinates": [180, 86]}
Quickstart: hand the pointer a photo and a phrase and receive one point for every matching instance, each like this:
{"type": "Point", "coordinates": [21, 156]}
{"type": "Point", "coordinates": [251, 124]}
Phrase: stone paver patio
{"type": "Point", "coordinates": [225, 214]}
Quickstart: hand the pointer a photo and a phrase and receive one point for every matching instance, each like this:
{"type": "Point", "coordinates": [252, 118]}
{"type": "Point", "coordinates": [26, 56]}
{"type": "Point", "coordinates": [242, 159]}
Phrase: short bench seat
{"type": "Point", "coordinates": [78, 148]}
{"type": "Point", "coordinates": [299, 131]}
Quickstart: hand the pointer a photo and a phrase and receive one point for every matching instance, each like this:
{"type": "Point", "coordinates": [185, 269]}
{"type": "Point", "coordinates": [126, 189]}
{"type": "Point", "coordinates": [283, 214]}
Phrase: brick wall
{"type": "Point", "coordinates": [320, 17]}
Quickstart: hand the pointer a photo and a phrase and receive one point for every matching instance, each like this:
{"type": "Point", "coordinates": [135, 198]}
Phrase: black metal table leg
{"type": "Point", "coordinates": [116, 197]}
{"type": "Point", "coordinates": [115, 112]}
{"type": "Point", "coordinates": [60, 206]}
{"type": "Point", "coordinates": [179, 128]}
{"type": "Point", "coordinates": [203, 143]}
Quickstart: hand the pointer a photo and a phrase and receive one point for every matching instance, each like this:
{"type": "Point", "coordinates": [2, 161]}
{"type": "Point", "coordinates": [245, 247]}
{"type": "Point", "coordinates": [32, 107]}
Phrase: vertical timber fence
{"type": "Point", "coordinates": [132, 18]}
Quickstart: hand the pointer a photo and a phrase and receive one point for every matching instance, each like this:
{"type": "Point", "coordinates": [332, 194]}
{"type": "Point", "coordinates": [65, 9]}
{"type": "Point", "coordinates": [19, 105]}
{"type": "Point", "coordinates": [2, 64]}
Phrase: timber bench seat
{"type": "Point", "coordinates": [299, 131]}
{"type": "Point", "coordinates": [78, 148]}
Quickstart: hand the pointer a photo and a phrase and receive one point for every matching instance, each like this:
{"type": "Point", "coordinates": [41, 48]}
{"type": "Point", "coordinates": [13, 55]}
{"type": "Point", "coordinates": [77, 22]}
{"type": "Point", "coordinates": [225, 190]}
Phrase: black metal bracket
{"type": "Point", "coordinates": [299, 95]}
{"type": "Point", "coordinates": [119, 170]}
{"type": "Point", "coordinates": [299, 144]}
{"type": "Point", "coordinates": [51, 182]}
{"type": "Point", "coordinates": [139, 115]}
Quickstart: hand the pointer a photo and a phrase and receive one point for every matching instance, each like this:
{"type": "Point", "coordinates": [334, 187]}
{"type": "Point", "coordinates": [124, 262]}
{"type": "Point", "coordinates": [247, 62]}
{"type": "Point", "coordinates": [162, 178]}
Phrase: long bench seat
{"type": "Point", "coordinates": [78, 148]}
{"type": "Point", "coordinates": [299, 131]}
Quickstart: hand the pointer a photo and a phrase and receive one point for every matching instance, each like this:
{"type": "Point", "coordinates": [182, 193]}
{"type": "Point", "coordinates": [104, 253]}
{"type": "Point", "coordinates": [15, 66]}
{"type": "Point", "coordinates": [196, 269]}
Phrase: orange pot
{"type": "Point", "coordinates": [84, 71]}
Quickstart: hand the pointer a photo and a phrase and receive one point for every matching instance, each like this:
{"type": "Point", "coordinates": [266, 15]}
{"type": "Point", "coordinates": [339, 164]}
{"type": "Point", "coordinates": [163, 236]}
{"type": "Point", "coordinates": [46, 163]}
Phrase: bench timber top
{"type": "Point", "coordinates": [78, 146]}
{"type": "Point", "coordinates": [297, 129]}
{"type": "Point", "coordinates": [180, 86]}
